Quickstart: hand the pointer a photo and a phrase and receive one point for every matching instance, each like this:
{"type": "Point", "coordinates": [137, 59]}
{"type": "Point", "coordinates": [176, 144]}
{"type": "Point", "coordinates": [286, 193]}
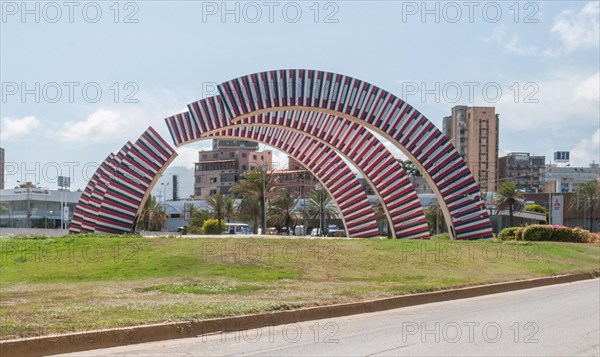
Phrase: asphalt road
{"type": "Point", "coordinates": [559, 320]}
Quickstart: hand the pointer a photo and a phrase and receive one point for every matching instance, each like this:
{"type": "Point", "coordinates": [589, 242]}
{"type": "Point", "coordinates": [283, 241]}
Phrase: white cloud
{"type": "Point", "coordinates": [589, 89]}
{"type": "Point", "coordinates": [586, 151]}
{"type": "Point", "coordinates": [99, 127]}
{"type": "Point", "coordinates": [567, 97]}
{"type": "Point", "coordinates": [13, 128]}
{"type": "Point", "coordinates": [187, 155]}
{"type": "Point", "coordinates": [578, 30]}
{"type": "Point", "coordinates": [574, 31]}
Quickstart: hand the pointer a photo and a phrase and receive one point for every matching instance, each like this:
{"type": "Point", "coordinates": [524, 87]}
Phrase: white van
{"type": "Point", "coordinates": [237, 228]}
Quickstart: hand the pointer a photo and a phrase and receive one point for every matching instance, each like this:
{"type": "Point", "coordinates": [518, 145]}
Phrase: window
{"type": "Point", "coordinates": [204, 156]}
{"type": "Point", "coordinates": [254, 157]}
{"type": "Point", "coordinates": [231, 154]}
{"type": "Point", "coordinates": [243, 167]}
{"type": "Point", "coordinates": [213, 180]}
{"type": "Point", "coordinates": [215, 156]}
{"type": "Point", "coordinates": [243, 154]}
{"type": "Point", "coordinates": [213, 192]}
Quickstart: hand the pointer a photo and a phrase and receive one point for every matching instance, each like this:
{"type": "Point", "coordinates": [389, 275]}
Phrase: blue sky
{"type": "Point", "coordinates": [149, 59]}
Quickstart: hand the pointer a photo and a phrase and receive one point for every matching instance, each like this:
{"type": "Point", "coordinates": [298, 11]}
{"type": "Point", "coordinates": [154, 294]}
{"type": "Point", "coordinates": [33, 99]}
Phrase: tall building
{"type": "Point", "coordinates": [474, 133]}
{"type": "Point", "coordinates": [525, 170]}
{"type": "Point", "coordinates": [297, 180]}
{"type": "Point", "coordinates": [219, 169]}
{"type": "Point", "coordinates": [567, 179]}
{"type": "Point", "coordinates": [1, 169]}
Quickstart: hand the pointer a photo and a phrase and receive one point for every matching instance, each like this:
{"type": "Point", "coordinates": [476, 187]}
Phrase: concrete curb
{"type": "Point", "coordinates": [89, 340]}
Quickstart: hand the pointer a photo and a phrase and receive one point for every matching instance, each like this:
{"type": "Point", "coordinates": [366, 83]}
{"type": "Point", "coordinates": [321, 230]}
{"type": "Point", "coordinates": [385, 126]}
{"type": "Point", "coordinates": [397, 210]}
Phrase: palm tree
{"type": "Point", "coordinates": [249, 211]}
{"type": "Point", "coordinates": [409, 167]}
{"type": "Point", "coordinates": [381, 217]}
{"type": "Point", "coordinates": [197, 218]}
{"type": "Point", "coordinates": [229, 209]}
{"type": "Point", "coordinates": [283, 210]}
{"type": "Point", "coordinates": [586, 196]}
{"type": "Point", "coordinates": [508, 198]}
{"type": "Point", "coordinates": [254, 185]}
{"type": "Point", "coordinates": [153, 217]}
{"type": "Point", "coordinates": [318, 199]}
{"type": "Point", "coordinates": [217, 203]}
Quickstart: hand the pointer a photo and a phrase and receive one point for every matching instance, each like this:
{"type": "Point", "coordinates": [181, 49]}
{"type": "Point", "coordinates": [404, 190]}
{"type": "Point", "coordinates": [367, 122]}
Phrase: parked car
{"type": "Point", "coordinates": [332, 230]}
{"type": "Point", "coordinates": [315, 232]}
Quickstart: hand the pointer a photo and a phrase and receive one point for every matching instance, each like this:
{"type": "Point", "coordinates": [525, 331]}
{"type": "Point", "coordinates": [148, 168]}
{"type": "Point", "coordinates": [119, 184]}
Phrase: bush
{"type": "Point", "coordinates": [537, 233]}
{"type": "Point", "coordinates": [583, 236]}
{"type": "Point", "coordinates": [442, 236]}
{"type": "Point", "coordinates": [508, 233]}
{"type": "Point", "coordinates": [211, 226]}
{"type": "Point", "coordinates": [550, 233]}
{"type": "Point", "coordinates": [562, 234]}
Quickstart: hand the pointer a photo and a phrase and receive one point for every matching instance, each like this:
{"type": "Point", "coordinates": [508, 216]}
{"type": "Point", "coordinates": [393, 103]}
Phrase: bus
{"type": "Point", "coordinates": [237, 228]}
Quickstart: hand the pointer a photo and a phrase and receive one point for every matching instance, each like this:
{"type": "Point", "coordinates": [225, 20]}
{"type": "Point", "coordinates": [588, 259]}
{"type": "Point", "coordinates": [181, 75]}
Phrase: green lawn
{"type": "Point", "coordinates": [71, 284]}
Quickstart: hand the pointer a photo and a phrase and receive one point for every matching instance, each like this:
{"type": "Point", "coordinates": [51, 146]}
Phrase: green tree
{"type": "Point", "coordinates": [217, 203]}
{"type": "Point", "coordinates": [537, 208]}
{"type": "Point", "coordinates": [316, 200]}
{"type": "Point", "coordinates": [213, 226]}
{"type": "Point", "coordinates": [254, 185]}
{"type": "Point", "coordinates": [381, 217]}
{"type": "Point", "coordinates": [435, 219]}
{"type": "Point", "coordinates": [197, 218]}
{"type": "Point", "coordinates": [152, 217]}
{"type": "Point", "coordinates": [508, 198]}
{"type": "Point", "coordinates": [229, 209]}
{"type": "Point", "coordinates": [586, 196]}
{"type": "Point", "coordinates": [409, 167]}
{"type": "Point", "coordinates": [282, 210]}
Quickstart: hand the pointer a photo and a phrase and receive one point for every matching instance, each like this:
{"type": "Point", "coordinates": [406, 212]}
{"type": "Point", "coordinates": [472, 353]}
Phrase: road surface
{"type": "Point", "coordinates": [558, 320]}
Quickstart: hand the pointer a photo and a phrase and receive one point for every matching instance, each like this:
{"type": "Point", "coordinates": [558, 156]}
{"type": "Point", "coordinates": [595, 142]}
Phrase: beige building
{"type": "Point", "coordinates": [219, 169]}
{"type": "Point", "coordinates": [525, 170]}
{"type": "Point", "coordinates": [1, 169]}
{"type": "Point", "coordinates": [298, 181]}
{"type": "Point", "coordinates": [474, 133]}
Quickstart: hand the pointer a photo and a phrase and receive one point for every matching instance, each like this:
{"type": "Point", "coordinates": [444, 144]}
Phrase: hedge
{"type": "Point", "coordinates": [548, 233]}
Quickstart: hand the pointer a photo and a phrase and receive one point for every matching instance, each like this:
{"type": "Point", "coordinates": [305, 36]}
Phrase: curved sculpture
{"type": "Point", "coordinates": [113, 198]}
{"type": "Point", "coordinates": [320, 160]}
{"type": "Point", "coordinates": [379, 167]}
{"type": "Point", "coordinates": [379, 110]}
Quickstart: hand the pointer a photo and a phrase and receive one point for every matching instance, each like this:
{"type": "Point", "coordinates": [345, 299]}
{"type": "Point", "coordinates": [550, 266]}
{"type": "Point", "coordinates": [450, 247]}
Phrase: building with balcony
{"type": "Point", "coordinates": [219, 169]}
{"type": "Point", "coordinates": [525, 170]}
{"type": "Point", "coordinates": [474, 133]}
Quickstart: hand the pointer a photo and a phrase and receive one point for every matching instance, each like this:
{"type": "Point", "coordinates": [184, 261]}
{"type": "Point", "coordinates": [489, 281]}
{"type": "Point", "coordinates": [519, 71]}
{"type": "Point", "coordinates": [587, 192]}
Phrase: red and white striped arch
{"type": "Point", "coordinates": [439, 162]}
{"type": "Point", "coordinates": [319, 159]}
{"type": "Point", "coordinates": [379, 167]}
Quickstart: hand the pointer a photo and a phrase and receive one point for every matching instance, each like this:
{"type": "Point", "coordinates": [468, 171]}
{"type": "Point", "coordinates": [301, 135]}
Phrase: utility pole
{"type": "Point", "coordinates": [264, 194]}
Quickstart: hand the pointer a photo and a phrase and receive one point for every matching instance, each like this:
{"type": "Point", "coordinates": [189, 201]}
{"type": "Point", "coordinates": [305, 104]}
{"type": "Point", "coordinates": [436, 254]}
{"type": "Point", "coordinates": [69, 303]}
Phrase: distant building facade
{"type": "Point", "coordinates": [43, 211]}
{"type": "Point", "coordinates": [1, 169]}
{"type": "Point", "coordinates": [219, 169]}
{"type": "Point", "coordinates": [567, 179]}
{"type": "Point", "coordinates": [474, 133]}
{"type": "Point", "coordinates": [525, 170]}
{"type": "Point", "coordinates": [298, 181]}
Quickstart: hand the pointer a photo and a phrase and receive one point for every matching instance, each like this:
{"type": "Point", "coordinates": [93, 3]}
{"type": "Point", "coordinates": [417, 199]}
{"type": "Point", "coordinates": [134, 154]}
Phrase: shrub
{"type": "Point", "coordinates": [519, 234]}
{"type": "Point", "coordinates": [583, 236]}
{"type": "Point", "coordinates": [562, 234]}
{"type": "Point", "coordinates": [508, 233]}
{"type": "Point", "coordinates": [442, 236]}
{"type": "Point", "coordinates": [537, 233]}
{"type": "Point", "coordinates": [211, 226]}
